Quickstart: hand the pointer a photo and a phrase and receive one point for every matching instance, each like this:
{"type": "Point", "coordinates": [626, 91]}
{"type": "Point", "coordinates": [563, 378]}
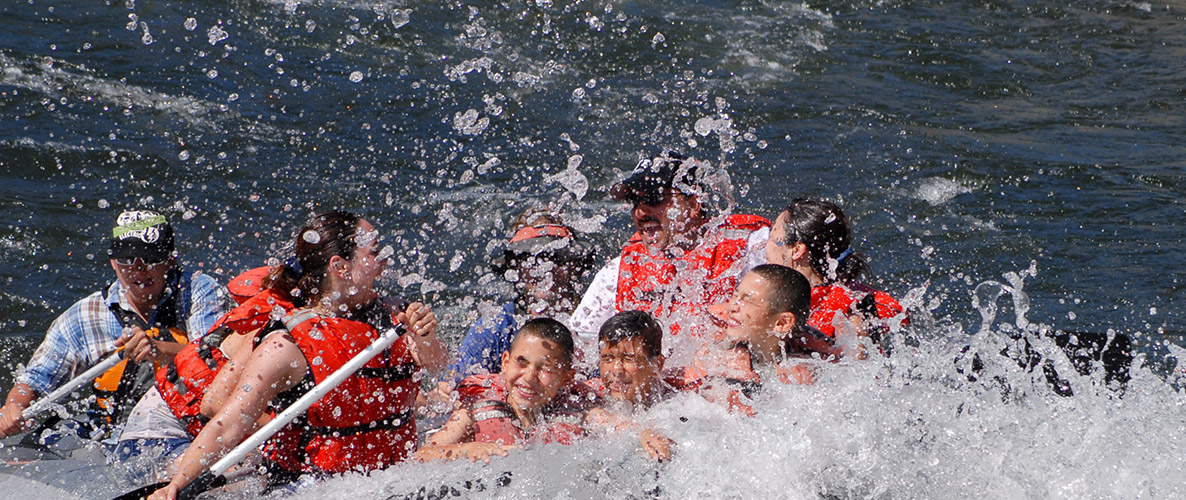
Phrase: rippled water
{"type": "Point", "coordinates": [967, 140]}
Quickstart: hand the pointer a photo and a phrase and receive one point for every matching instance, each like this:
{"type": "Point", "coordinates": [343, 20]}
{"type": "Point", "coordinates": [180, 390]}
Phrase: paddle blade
{"type": "Point", "coordinates": [203, 483]}
{"type": "Point", "coordinates": [142, 492]}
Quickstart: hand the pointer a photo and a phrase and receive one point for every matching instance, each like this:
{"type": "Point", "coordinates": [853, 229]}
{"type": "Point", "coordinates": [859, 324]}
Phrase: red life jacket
{"type": "Point", "coordinates": [365, 423]}
{"type": "Point", "coordinates": [878, 309]}
{"type": "Point", "coordinates": [645, 277]}
{"type": "Point", "coordinates": [184, 380]}
{"type": "Point", "coordinates": [495, 420]}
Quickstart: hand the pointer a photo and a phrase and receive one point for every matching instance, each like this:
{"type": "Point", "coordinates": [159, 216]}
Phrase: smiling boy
{"type": "Point", "coordinates": [765, 325]}
{"type": "Point", "coordinates": [532, 400]}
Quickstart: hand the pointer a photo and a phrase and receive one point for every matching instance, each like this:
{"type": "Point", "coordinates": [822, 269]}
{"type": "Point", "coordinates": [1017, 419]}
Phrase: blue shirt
{"type": "Point", "coordinates": [86, 333]}
{"type": "Point", "coordinates": [481, 349]}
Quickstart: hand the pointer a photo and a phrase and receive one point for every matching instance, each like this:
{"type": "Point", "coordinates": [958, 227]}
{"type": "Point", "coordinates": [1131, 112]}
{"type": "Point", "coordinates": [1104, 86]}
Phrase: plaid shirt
{"type": "Point", "coordinates": [86, 333]}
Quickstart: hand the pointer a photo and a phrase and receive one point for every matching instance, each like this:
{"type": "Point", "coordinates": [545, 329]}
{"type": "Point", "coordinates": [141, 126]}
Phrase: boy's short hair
{"type": "Point", "coordinates": [630, 324]}
{"type": "Point", "coordinates": [552, 331]}
{"type": "Point", "coordinates": [790, 291]}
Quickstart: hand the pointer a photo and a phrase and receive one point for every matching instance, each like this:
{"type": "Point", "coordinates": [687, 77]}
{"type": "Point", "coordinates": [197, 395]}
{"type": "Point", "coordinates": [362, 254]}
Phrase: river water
{"type": "Point", "coordinates": [1031, 151]}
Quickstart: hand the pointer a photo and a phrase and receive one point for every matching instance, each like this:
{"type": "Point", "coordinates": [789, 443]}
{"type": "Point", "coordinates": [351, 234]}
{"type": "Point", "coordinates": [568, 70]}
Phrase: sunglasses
{"type": "Point", "coordinates": [131, 261]}
{"type": "Point", "coordinates": [650, 198]}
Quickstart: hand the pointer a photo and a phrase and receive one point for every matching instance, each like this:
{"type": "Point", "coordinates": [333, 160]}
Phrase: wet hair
{"type": "Point", "coordinates": [321, 238]}
{"type": "Point", "coordinates": [552, 331]}
{"type": "Point", "coordinates": [822, 226]}
{"type": "Point", "coordinates": [630, 324]}
{"type": "Point", "coordinates": [790, 291]}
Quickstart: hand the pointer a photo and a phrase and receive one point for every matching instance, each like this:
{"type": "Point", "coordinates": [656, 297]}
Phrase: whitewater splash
{"type": "Point", "coordinates": [910, 425]}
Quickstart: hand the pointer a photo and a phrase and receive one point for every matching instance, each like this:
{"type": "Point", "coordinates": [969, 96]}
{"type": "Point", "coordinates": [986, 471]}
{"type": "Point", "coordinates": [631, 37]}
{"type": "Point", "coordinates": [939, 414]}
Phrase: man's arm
{"type": "Point", "coordinates": [207, 304]}
{"type": "Point", "coordinates": [19, 398]}
{"type": "Point", "coordinates": [599, 302]}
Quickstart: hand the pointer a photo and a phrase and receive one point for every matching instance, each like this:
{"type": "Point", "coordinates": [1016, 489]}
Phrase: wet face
{"type": "Point", "coordinates": [750, 319]}
{"type": "Point", "coordinates": [627, 372]}
{"type": "Point", "coordinates": [144, 283]}
{"type": "Point", "coordinates": [777, 250]}
{"type": "Point", "coordinates": [536, 371]}
{"type": "Point", "coordinates": [366, 265]}
{"type": "Point", "coordinates": [668, 221]}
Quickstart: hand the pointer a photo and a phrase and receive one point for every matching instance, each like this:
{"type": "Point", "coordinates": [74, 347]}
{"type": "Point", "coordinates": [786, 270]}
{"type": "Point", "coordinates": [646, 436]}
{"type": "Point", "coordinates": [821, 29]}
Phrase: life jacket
{"type": "Point", "coordinates": [880, 312]}
{"type": "Point", "coordinates": [734, 367]}
{"type": "Point", "coordinates": [495, 421]}
{"type": "Point", "coordinates": [645, 276]}
{"type": "Point", "coordinates": [118, 389]}
{"type": "Point", "coordinates": [184, 381]}
{"type": "Point", "coordinates": [365, 423]}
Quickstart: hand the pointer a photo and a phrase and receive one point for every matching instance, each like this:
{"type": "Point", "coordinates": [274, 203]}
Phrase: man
{"type": "Point", "coordinates": [150, 311]}
{"type": "Point", "coordinates": [681, 259]}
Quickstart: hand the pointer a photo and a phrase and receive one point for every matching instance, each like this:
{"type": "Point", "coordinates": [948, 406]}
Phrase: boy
{"type": "Point", "coordinates": [765, 324]}
{"type": "Point", "coordinates": [532, 400]}
{"type": "Point", "coordinates": [631, 362]}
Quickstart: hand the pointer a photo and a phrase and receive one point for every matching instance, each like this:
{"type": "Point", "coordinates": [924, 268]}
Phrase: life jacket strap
{"type": "Point", "coordinates": [390, 423]}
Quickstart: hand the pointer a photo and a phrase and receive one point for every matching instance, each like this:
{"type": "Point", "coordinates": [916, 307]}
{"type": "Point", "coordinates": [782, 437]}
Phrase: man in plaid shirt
{"type": "Point", "coordinates": [151, 295]}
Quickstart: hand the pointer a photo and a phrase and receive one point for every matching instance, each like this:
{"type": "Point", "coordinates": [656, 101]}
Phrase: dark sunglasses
{"type": "Point", "coordinates": [652, 198]}
{"type": "Point", "coordinates": [131, 261]}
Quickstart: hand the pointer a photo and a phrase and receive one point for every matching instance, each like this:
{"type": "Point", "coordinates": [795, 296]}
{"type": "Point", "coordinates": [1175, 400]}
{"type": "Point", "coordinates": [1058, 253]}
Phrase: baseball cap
{"type": "Point", "coordinates": [141, 233]}
{"type": "Point", "coordinates": [653, 177]}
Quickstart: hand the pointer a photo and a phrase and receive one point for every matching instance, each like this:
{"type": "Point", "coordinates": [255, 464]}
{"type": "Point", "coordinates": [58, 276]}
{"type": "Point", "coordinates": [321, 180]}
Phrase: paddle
{"type": "Point", "coordinates": [215, 477]}
{"type": "Point", "coordinates": [69, 387]}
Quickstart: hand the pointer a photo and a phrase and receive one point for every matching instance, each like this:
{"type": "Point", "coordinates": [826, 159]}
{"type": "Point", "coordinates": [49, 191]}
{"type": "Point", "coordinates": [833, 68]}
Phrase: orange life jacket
{"type": "Point", "coordinates": [646, 276]}
{"type": "Point", "coordinates": [184, 381]}
{"type": "Point", "coordinates": [878, 309]}
{"type": "Point", "coordinates": [367, 422]}
{"type": "Point", "coordinates": [495, 421]}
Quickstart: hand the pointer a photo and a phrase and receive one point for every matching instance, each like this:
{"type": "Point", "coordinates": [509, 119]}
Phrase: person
{"type": "Point", "coordinates": [532, 400]}
{"type": "Point", "coordinates": [150, 311]}
{"type": "Point", "coordinates": [545, 261]}
{"type": "Point", "coordinates": [815, 238]}
{"type": "Point", "coordinates": [631, 366]}
{"type": "Point", "coordinates": [766, 330]}
{"type": "Point", "coordinates": [367, 422]}
{"type": "Point", "coordinates": [185, 381]}
{"type": "Point", "coordinates": [679, 260]}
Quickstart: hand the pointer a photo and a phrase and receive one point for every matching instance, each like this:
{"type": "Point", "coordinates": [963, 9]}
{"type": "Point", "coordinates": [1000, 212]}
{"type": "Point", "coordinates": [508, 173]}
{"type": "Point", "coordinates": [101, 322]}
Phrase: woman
{"type": "Point", "coordinates": [364, 424]}
{"type": "Point", "coordinates": [814, 238]}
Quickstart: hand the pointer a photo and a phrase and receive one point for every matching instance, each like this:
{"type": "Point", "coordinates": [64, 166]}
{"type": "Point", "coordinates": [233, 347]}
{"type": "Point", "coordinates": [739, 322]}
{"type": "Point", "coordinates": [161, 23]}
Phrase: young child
{"type": "Point", "coordinates": [765, 325]}
{"type": "Point", "coordinates": [532, 400]}
{"type": "Point", "coordinates": [631, 362]}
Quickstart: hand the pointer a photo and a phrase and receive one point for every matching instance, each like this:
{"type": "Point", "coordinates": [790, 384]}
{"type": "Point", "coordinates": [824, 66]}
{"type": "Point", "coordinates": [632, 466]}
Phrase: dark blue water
{"type": "Point", "coordinates": [966, 140]}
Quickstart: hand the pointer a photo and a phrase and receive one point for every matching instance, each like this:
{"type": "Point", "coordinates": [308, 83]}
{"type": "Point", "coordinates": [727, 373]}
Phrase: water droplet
{"type": "Point", "coordinates": [659, 38]}
{"type": "Point", "coordinates": [191, 24]}
{"type": "Point", "coordinates": [183, 155]}
{"type": "Point", "coordinates": [103, 203]}
{"type": "Point", "coordinates": [356, 76]}
{"type": "Point", "coordinates": [215, 35]}
{"type": "Point", "coordinates": [311, 237]}
{"type": "Point", "coordinates": [317, 361]}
